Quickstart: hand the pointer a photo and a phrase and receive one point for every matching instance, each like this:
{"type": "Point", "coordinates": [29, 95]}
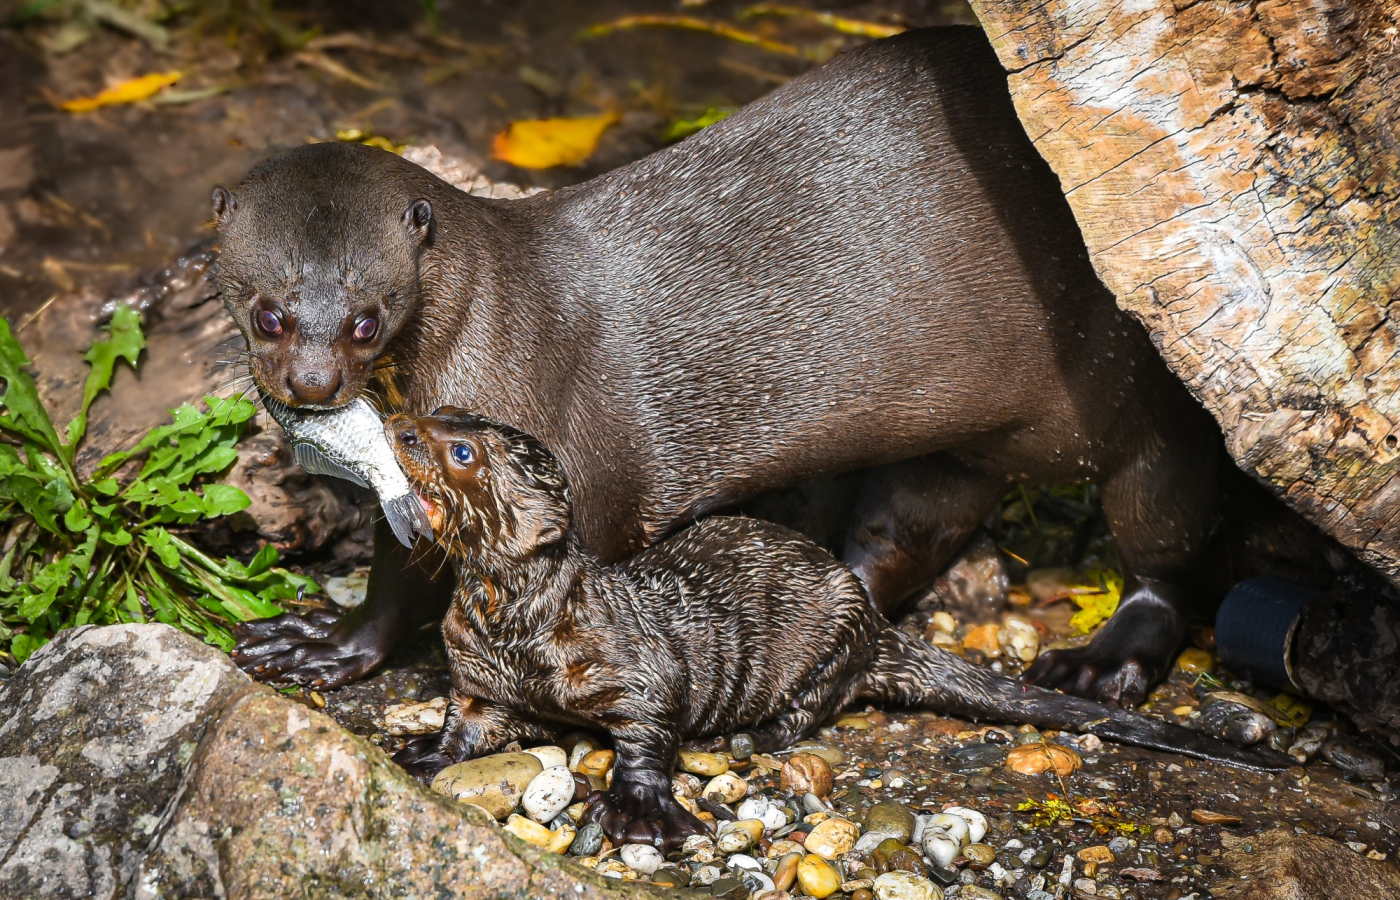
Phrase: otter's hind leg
{"type": "Point", "coordinates": [1161, 506]}
{"type": "Point", "coordinates": [911, 672]}
{"type": "Point", "coordinates": [472, 727]}
{"type": "Point", "coordinates": [912, 516]}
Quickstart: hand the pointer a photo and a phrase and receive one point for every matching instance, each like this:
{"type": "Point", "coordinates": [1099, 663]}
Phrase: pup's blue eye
{"type": "Point", "coordinates": [463, 454]}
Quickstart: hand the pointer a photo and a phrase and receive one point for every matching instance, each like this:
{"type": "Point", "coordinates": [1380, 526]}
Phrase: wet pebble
{"type": "Point", "coordinates": [891, 818]}
{"type": "Point", "coordinates": [708, 765]}
{"type": "Point", "coordinates": [1019, 639]}
{"type": "Point", "coordinates": [528, 830]}
{"type": "Point", "coordinates": [807, 773]}
{"type": "Point", "coordinates": [976, 822]}
{"type": "Point", "coordinates": [494, 782]}
{"type": "Point", "coordinates": [1195, 661]}
{"type": "Point", "coordinates": [597, 763]}
{"type": "Point", "coordinates": [550, 756]}
{"type": "Point", "coordinates": [415, 718]}
{"type": "Point", "coordinates": [671, 876]}
{"type": "Point", "coordinates": [979, 856]}
{"type": "Point", "coordinates": [1038, 758]}
{"type": "Point", "coordinates": [817, 877]}
{"type": "Point", "coordinates": [580, 749]}
{"type": "Point", "coordinates": [741, 746]}
{"type": "Point", "coordinates": [785, 875]}
{"type": "Point", "coordinates": [831, 838]}
{"type": "Point", "coordinates": [549, 793]}
{"type": "Point", "coordinates": [977, 756]}
{"type": "Point", "coordinates": [588, 841]}
{"type": "Point", "coordinates": [725, 788]}
{"type": "Point", "coordinates": [905, 886]}
{"type": "Point", "coordinates": [1096, 854]}
{"type": "Point", "coordinates": [642, 857]}
{"type": "Point", "coordinates": [974, 892]}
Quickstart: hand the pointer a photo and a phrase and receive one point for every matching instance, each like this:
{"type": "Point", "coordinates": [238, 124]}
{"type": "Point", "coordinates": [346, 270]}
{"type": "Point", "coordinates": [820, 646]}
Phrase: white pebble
{"type": "Point", "coordinates": [744, 861]}
{"type": "Point", "coordinates": [548, 794]}
{"type": "Point", "coordinates": [726, 788]}
{"type": "Point", "coordinates": [642, 857]}
{"type": "Point", "coordinates": [953, 826]}
{"type": "Point", "coordinates": [870, 840]}
{"type": "Point", "coordinates": [940, 848]}
{"type": "Point", "coordinates": [905, 886]}
{"type": "Point", "coordinates": [550, 756]}
{"type": "Point", "coordinates": [976, 822]}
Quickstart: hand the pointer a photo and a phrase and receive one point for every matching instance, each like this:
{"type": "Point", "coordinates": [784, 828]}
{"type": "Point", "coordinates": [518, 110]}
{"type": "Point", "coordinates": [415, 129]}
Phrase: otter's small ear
{"type": "Point", "coordinates": [224, 207]}
{"type": "Point", "coordinates": [418, 220]}
{"type": "Point", "coordinates": [539, 526]}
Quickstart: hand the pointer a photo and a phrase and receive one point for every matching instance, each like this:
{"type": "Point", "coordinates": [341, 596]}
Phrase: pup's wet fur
{"type": "Point", "coordinates": [731, 624]}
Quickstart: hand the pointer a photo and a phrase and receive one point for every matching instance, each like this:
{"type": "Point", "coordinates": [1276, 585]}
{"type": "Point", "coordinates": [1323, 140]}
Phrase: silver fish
{"type": "Point", "coordinates": [348, 442]}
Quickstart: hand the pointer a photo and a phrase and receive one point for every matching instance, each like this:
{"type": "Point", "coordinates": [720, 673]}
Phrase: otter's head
{"type": "Point", "coordinates": [490, 491]}
{"type": "Point", "coordinates": [319, 265]}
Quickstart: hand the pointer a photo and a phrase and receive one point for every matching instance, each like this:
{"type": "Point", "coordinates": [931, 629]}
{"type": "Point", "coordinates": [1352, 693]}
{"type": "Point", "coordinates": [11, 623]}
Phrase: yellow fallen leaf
{"type": "Point", "coordinates": [545, 143]}
{"type": "Point", "coordinates": [1096, 601]}
{"type": "Point", "coordinates": [842, 24]}
{"type": "Point", "coordinates": [129, 91]}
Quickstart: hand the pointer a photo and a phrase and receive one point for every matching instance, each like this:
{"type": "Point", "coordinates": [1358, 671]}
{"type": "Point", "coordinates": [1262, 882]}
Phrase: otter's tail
{"type": "Point", "coordinates": [911, 672]}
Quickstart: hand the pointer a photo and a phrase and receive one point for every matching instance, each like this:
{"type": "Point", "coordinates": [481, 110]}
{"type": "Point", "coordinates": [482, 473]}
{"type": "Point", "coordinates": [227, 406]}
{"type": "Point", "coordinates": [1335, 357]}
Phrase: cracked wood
{"type": "Point", "coordinates": [1235, 169]}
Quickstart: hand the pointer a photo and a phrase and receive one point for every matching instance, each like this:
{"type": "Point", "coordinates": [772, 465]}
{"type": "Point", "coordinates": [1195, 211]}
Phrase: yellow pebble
{"type": "Point", "coordinates": [698, 762]}
{"type": "Point", "coordinates": [528, 830]}
{"type": "Point", "coordinates": [817, 877]}
{"type": "Point", "coordinates": [1183, 710]}
{"type": "Point", "coordinates": [563, 837]}
{"type": "Point", "coordinates": [1035, 759]}
{"type": "Point", "coordinates": [1195, 661]}
{"type": "Point", "coordinates": [597, 763]}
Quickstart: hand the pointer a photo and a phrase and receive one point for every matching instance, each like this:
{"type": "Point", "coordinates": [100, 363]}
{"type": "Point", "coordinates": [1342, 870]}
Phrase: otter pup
{"type": "Point", "coordinates": [731, 624]}
{"type": "Point", "coordinates": [868, 270]}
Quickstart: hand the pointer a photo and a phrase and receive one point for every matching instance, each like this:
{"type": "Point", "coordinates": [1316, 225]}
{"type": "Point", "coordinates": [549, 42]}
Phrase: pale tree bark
{"type": "Point", "coordinates": [1235, 168]}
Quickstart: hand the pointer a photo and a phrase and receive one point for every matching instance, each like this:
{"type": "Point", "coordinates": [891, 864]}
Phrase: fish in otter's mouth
{"type": "Point", "coordinates": [348, 442]}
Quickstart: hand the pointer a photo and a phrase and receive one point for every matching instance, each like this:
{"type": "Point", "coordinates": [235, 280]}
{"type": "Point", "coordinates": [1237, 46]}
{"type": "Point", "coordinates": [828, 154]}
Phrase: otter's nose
{"type": "Point", "coordinates": [402, 430]}
{"type": "Point", "coordinates": [313, 385]}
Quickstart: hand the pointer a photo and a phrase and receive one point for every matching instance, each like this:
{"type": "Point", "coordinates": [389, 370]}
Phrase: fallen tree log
{"type": "Point", "coordinates": [1235, 169]}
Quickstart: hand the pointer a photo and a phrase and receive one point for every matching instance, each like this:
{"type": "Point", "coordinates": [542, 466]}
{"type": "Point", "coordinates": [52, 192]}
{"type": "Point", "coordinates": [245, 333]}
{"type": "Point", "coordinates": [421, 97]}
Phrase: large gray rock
{"type": "Point", "coordinates": [136, 762]}
{"type": "Point", "coordinates": [94, 731]}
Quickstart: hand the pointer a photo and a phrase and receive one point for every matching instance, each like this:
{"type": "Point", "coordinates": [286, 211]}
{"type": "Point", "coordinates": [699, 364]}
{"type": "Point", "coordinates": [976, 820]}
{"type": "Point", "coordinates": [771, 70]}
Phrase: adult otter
{"type": "Point", "coordinates": [730, 624]}
{"type": "Point", "coordinates": [870, 267]}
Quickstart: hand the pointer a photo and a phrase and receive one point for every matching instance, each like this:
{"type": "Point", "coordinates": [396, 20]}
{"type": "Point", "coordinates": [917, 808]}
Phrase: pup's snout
{"type": "Point", "coordinates": [402, 430]}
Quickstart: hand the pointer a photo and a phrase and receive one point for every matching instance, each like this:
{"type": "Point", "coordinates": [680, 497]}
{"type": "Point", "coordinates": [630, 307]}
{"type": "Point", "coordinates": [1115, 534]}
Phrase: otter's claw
{"type": "Point", "coordinates": [319, 649]}
{"type": "Point", "coordinates": [628, 817]}
{"type": "Point", "coordinates": [1131, 653]}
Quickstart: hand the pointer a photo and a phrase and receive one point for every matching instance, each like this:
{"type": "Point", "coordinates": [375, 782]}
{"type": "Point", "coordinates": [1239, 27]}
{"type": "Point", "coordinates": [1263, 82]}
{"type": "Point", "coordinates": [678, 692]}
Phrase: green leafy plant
{"type": "Point", "coordinates": [108, 547]}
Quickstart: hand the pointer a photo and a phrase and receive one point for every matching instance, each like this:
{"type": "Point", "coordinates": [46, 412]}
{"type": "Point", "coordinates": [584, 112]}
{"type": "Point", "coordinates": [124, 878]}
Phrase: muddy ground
{"type": "Point", "coordinates": [89, 202]}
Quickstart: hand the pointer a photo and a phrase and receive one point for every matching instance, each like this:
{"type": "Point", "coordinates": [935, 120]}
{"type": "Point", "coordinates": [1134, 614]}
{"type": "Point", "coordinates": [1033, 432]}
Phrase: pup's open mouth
{"type": "Point", "coordinates": [431, 510]}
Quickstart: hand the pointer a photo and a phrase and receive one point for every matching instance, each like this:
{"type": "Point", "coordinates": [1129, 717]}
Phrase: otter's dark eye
{"type": "Point", "coordinates": [463, 454]}
{"type": "Point", "coordinates": [269, 323]}
{"type": "Point", "coordinates": [366, 329]}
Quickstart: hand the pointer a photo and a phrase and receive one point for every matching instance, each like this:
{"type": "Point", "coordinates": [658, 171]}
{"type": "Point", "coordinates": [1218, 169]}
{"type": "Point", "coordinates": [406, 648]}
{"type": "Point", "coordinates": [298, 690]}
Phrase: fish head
{"type": "Point", "coordinates": [489, 490]}
{"type": "Point", "coordinates": [319, 266]}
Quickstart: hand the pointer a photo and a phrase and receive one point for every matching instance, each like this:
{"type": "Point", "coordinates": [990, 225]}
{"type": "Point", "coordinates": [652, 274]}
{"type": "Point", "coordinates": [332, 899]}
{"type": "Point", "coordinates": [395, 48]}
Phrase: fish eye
{"type": "Point", "coordinates": [366, 329]}
{"type": "Point", "coordinates": [268, 322]}
{"type": "Point", "coordinates": [463, 454]}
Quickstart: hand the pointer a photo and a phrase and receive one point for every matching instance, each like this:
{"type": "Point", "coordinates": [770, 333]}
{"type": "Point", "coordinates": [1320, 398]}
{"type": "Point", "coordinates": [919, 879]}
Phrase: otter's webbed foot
{"type": "Point", "coordinates": [640, 809]}
{"type": "Point", "coordinates": [1126, 658]}
{"type": "Point", "coordinates": [322, 649]}
{"type": "Point", "coordinates": [428, 754]}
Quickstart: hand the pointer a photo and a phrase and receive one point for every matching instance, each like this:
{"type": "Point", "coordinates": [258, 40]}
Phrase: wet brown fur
{"type": "Point", "coordinates": [731, 624]}
{"type": "Point", "coordinates": [869, 269]}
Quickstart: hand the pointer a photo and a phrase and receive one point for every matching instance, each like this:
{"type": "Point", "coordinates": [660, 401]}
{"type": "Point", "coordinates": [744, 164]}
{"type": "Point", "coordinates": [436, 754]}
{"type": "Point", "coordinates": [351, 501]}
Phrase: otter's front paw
{"type": "Point", "coordinates": [1125, 659]}
{"type": "Point", "coordinates": [641, 816]}
{"type": "Point", "coordinates": [423, 757]}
